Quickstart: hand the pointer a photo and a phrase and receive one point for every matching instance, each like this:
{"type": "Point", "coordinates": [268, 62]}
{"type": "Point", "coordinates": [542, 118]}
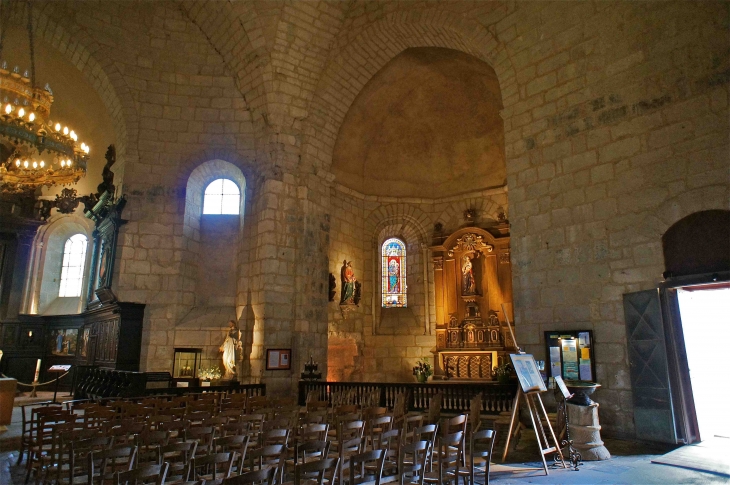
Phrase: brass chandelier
{"type": "Point", "coordinates": [34, 151]}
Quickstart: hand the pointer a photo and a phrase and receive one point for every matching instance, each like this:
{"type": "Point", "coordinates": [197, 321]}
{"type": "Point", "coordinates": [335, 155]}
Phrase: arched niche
{"type": "Point", "coordinates": [697, 244]}
{"type": "Point", "coordinates": [212, 253]}
{"type": "Point", "coordinates": [426, 125]}
{"type": "Point", "coordinates": [46, 261]}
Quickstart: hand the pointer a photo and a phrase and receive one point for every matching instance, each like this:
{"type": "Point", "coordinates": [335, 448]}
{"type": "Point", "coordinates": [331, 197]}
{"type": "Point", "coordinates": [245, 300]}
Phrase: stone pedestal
{"type": "Point", "coordinates": [585, 431]}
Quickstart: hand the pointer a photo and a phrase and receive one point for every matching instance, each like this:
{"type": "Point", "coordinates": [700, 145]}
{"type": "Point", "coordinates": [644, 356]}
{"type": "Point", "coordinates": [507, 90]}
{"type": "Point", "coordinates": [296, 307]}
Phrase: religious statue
{"type": "Point", "coordinates": [468, 284]}
{"type": "Point", "coordinates": [231, 345]}
{"type": "Point", "coordinates": [347, 275]}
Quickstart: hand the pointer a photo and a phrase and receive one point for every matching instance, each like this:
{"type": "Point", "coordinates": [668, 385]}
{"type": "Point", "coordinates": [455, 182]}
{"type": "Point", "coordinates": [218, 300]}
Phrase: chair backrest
{"type": "Point", "coordinates": [147, 474]}
{"type": "Point", "coordinates": [313, 431]}
{"type": "Point", "coordinates": [457, 423]}
{"type": "Point", "coordinates": [273, 455]}
{"type": "Point", "coordinates": [265, 476]}
{"type": "Point", "coordinates": [218, 465]}
{"type": "Point", "coordinates": [317, 471]}
{"type": "Point", "coordinates": [312, 448]}
{"type": "Point", "coordinates": [275, 437]}
{"type": "Point", "coordinates": [116, 458]}
{"type": "Point", "coordinates": [347, 430]}
{"type": "Point", "coordinates": [434, 408]}
{"type": "Point", "coordinates": [359, 465]}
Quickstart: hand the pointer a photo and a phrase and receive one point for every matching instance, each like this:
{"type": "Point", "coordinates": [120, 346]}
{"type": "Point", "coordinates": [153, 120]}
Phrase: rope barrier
{"type": "Point", "coordinates": [36, 384]}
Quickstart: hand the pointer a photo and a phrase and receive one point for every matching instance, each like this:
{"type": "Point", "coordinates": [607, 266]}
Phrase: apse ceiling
{"type": "Point", "coordinates": [426, 125]}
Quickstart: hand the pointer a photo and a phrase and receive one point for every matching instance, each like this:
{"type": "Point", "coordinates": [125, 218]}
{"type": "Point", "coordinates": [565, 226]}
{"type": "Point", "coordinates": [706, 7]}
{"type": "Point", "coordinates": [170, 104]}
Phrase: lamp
{"type": "Point", "coordinates": [34, 151]}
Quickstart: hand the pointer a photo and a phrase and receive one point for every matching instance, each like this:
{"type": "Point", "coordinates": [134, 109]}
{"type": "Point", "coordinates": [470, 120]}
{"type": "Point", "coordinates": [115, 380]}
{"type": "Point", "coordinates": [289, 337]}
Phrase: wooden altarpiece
{"type": "Point", "coordinates": [473, 282]}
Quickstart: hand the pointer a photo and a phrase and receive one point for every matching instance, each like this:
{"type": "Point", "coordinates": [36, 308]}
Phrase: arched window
{"type": "Point", "coordinates": [393, 253]}
{"type": "Point", "coordinates": [72, 268]}
{"type": "Point", "coordinates": [222, 196]}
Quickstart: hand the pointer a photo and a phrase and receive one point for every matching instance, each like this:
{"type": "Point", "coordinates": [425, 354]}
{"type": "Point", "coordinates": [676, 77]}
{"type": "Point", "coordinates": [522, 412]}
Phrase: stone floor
{"type": "Point", "coordinates": [630, 463]}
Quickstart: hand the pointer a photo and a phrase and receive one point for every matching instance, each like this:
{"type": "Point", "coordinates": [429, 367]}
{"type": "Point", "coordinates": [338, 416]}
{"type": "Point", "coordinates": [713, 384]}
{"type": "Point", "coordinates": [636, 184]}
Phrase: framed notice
{"type": "Point", "coordinates": [571, 354]}
{"type": "Point", "coordinates": [527, 373]}
{"type": "Point", "coordinates": [278, 359]}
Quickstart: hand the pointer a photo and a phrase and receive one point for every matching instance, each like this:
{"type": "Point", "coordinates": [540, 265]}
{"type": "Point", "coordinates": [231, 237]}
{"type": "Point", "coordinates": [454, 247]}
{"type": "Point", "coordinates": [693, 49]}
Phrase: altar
{"type": "Point", "coordinates": [473, 288]}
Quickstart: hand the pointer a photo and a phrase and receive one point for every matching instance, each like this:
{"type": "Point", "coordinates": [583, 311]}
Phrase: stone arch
{"type": "Point", "coordinates": [487, 205]}
{"type": "Point", "coordinates": [349, 71]}
{"type": "Point", "coordinates": [77, 46]}
{"type": "Point", "coordinates": [411, 225]}
{"type": "Point", "coordinates": [653, 225]}
{"type": "Point", "coordinates": [41, 294]}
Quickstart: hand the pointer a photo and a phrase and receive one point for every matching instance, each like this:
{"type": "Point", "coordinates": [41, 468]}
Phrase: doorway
{"type": "Point", "coordinates": [705, 317]}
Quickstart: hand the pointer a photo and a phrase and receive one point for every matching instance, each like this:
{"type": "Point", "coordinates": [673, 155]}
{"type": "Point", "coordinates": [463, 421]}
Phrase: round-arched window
{"type": "Point", "coordinates": [72, 268]}
{"type": "Point", "coordinates": [222, 196]}
{"type": "Point", "coordinates": [393, 255]}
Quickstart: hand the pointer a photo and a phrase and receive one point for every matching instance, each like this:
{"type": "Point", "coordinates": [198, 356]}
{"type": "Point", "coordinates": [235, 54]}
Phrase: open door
{"type": "Point", "coordinates": [647, 351]}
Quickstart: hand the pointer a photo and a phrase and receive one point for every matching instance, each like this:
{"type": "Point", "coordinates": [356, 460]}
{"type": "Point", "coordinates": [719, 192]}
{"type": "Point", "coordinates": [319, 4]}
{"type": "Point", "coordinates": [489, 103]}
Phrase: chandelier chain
{"type": "Point", "coordinates": [30, 41]}
{"type": "Point", "coordinates": [4, 14]}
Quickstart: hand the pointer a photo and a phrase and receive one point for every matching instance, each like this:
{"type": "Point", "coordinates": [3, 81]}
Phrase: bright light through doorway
{"type": "Point", "coordinates": [706, 327]}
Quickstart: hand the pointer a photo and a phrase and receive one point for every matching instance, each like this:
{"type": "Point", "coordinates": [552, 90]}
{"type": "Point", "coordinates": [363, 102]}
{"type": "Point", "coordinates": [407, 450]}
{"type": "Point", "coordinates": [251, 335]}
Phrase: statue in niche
{"type": "Point", "coordinates": [468, 283]}
{"type": "Point", "coordinates": [231, 345]}
{"type": "Point", "coordinates": [347, 275]}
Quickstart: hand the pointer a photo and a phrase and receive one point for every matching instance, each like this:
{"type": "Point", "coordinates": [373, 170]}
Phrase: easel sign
{"type": "Point", "coordinates": [527, 373]}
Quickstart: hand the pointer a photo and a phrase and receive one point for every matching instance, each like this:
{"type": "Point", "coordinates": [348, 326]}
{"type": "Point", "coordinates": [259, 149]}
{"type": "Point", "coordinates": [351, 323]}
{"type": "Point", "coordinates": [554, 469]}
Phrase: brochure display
{"type": "Point", "coordinates": [571, 354]}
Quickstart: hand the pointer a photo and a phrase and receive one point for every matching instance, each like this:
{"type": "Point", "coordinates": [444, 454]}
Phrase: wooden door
{"type": "Point", "coordinates": [647, 351]}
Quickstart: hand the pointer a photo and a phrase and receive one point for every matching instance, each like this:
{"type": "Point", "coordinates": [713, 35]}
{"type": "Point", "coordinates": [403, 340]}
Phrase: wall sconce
{"type": "Point", "coordinates": [30, 335]}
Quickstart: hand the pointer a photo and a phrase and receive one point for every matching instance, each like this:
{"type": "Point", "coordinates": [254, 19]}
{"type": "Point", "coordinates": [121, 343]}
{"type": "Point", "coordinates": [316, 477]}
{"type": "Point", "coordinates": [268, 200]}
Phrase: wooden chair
{"type": "Point", "coordinates": [316, 472]}
{"type": "Point", "coordinates": [428, 432]}
{"type": "Point", "coordinates": [448, 459]}
{"type": "Point", "coordinates": [179, 456]}
{"type": "Point", "coordinates": [274, 437]}
{"type": "Point", "coordinates": [481, 444]}
{"type": "Point", "coordinates": [233, 443]}
{"type": "Point", "coordinates": [28, 420]}
{"type": "Point", "coordinates": [153, 474]}
{"type": "Point", "coordinates": [367, 468]}
{"type": "Point", "coordinates": [376, 426]}
{"type": "Point", "coordinates": [306, 451]}
{"type": "Point", "coordinates": [412, 462]}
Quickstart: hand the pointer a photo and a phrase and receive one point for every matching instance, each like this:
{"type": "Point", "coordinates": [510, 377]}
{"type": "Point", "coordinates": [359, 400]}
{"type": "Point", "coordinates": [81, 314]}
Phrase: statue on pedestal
{"type": "Point", "coordinates": [231, 345]}
{"type": "Point", "coordinates": [348, 283]}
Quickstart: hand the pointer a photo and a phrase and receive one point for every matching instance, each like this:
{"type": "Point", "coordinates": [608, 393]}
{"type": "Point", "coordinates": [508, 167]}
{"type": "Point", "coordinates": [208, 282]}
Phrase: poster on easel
{"type": "Point", "coordinates": [571, 354]}
{"type": "Point", "coordinates": [527, 373]}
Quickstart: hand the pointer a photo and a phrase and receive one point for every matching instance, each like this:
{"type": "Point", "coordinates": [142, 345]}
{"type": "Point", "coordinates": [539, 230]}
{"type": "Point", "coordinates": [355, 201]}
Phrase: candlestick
{"type": "Point", "coordinates": [37, 370]}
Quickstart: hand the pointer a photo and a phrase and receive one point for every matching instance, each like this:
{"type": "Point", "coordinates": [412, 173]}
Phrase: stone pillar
{"type": "Point", "coordinates": [586, 432]}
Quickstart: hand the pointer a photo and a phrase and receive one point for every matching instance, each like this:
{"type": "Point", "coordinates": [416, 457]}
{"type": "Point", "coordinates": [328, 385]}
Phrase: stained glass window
{"type": "Point", "coordinates": [222, 196]}
{"type": "Point", "coordinates": [393, 253]}
{"type": "Point", "coordinates": [72, 269]}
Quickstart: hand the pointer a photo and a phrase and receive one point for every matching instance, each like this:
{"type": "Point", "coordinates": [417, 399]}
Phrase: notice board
{"type": "Point", "coordinates": [570, 354]}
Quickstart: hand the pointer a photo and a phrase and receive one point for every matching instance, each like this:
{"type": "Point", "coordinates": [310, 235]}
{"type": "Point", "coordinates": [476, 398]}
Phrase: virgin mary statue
{"type": "Point", "coordinates": [230, 346]}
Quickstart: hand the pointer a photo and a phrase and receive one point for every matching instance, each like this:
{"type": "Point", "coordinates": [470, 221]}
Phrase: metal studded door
{"type": "Point", "coordinates": [653, 413]}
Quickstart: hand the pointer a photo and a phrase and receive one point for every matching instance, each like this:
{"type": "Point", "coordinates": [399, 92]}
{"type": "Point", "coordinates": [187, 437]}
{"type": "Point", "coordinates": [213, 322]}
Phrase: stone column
{"type": "Point", "coordinates": [586, 432]}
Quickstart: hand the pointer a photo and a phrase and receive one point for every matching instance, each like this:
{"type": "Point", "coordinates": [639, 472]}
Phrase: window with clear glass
{"type": "Point", "coordinates": [393, 253]}
{"type": "Point", "coordinates": [72, 268]}
{"type": "Point", "coordinates": [222, 196]}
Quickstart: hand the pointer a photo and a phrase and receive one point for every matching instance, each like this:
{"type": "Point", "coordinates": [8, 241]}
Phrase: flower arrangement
{"type": "Point", "coordinates": [502, 372]}
{"type": "Point", "coordinates": [212, 373]}
{"type": "Point", "coordinates": [422, 370]}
